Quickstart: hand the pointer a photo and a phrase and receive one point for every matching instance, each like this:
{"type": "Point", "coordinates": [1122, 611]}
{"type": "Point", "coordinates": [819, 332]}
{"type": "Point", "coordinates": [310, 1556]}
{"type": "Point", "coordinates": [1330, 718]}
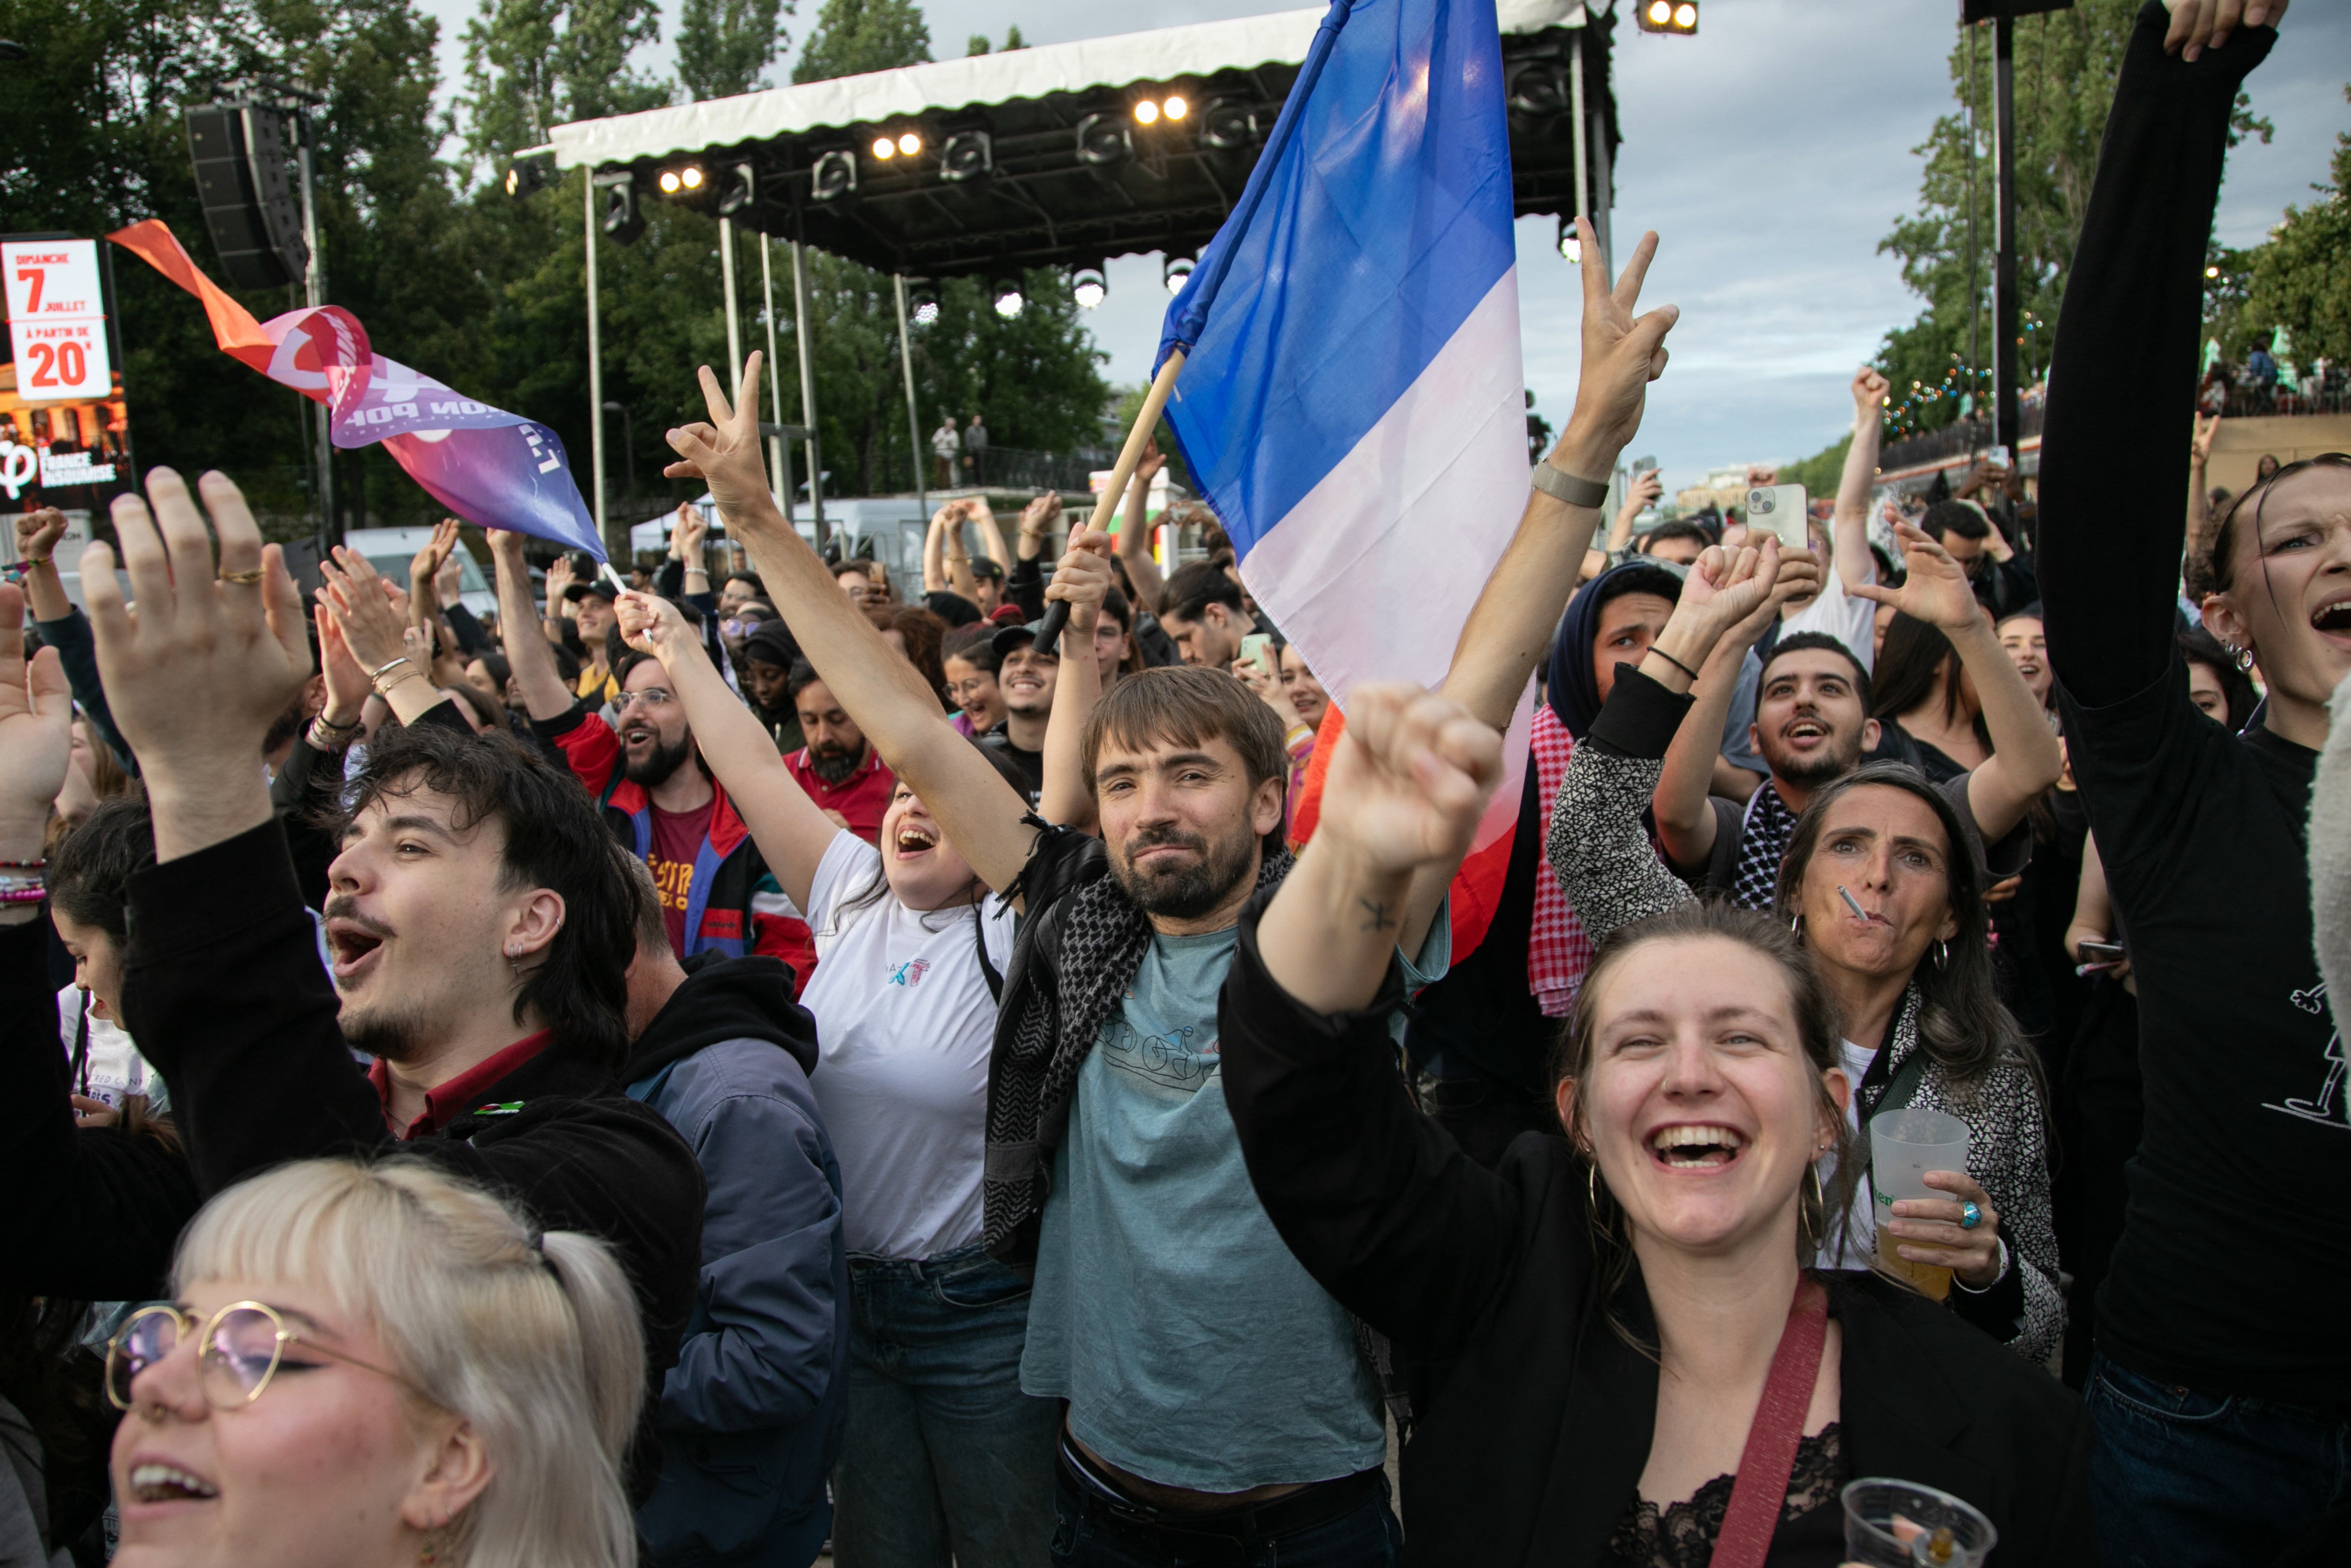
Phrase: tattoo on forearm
{"type": "Point", "coordinates": [1377, 916]}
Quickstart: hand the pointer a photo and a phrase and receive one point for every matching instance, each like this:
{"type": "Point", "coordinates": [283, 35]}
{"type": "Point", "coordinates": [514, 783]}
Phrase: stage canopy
{"type": "Point", "coordinates": [1064, 155]}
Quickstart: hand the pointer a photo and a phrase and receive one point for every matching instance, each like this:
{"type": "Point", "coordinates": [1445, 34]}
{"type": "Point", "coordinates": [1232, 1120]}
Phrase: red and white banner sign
{"type": "Point", "coordinates": [57, 320]}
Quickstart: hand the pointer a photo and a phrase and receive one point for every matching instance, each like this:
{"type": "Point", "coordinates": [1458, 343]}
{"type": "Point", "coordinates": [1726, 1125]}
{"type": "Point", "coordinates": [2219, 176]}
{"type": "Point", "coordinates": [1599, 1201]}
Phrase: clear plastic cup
{"type": "Point", "coordinates": [1904, 1145]}
{"type": "Point", "coordinates": [1900, 1525]}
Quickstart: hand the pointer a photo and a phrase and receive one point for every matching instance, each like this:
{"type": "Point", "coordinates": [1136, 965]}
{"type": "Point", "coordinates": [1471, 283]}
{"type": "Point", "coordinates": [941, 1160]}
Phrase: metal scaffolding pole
{"type": "Point", "coordinates": [779, 454]}
{"type": "Point", "coordinates": [808, 394]}
{"type": "Point", "coordinates": [913, 420]}
{"type": "Point", "coordinates": [596, 369]}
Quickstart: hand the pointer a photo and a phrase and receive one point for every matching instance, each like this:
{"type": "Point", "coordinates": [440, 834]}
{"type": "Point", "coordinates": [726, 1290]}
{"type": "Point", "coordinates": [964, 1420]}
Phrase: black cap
{"type": "Point", "coordinates": [1011, 637]}
{"type": "Point", "coordinates": [595, 585]}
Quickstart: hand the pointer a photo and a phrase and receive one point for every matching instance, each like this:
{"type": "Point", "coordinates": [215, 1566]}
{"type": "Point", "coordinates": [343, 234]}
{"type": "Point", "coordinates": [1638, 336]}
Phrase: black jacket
{"type": "Point", "coordinates": [223, 991]}
{"type": "Point", "coordinates": [91, 1213]}
{"type": "Point", "coordinates": [1534, 1416]}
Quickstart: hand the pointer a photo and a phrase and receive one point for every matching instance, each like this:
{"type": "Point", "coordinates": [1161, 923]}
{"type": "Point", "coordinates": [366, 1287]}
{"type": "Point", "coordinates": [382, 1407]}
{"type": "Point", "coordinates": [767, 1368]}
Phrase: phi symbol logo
{"type": "Point", "coordinates": [17, 466]}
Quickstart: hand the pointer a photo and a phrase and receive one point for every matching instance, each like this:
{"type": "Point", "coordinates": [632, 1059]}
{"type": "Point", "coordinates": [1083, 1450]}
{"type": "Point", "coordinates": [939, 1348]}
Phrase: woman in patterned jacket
{"type": "Point", "coordinates": [1884, 884]}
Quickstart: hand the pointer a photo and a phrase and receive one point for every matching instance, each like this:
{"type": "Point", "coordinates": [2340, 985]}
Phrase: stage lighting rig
{"type": "Point", "coordinates": [1174, 271]}
{"type": "Point", "coordinates": [968, 156]}
{"type": "Point", "coordinates": [1679, 17]}
{"type": "Point", "coordinates": [1103, 139]}
{"type": "Point", "coordinates": [526, 175]}
{"type": "Point", "coordinates": [833, 175]}
{"type": "Point", "coordinates": [1088, 285]}
{"type": "Point", "coordinates": [1008, 298]}
{"type": "Point", "coordinates": [622, 218]}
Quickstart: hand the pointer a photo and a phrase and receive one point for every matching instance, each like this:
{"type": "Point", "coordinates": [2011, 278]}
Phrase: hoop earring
{"type": "Point", "coordinates": [2244, 660]}
{"type": "Point", "coordinates": [1942, 953]}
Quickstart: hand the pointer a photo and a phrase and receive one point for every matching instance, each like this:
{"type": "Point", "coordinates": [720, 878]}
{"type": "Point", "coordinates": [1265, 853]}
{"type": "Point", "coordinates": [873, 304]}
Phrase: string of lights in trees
{"type": "Point", "coordinates": [1962, 389]}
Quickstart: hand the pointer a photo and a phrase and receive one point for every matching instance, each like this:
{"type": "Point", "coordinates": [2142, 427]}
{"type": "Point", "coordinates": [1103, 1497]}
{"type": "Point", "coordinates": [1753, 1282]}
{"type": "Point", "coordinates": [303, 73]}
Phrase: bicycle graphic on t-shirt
{"type": "Point", "coordinates": [2329, 1108]}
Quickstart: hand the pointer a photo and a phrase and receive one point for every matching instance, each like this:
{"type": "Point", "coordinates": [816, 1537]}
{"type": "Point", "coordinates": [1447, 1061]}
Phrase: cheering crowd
{"type": "Point", "coordinates": [691, 1072]}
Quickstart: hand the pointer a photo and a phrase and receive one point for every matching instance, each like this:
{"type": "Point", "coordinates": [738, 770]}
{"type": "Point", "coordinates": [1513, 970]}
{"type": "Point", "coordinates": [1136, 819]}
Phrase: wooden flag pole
{"type": "Point", "coordinates": [1147, 420]}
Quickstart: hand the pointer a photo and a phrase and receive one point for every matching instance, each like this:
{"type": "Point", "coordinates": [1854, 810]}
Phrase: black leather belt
{"type": "Point", "coordinates": [1104, 1500]}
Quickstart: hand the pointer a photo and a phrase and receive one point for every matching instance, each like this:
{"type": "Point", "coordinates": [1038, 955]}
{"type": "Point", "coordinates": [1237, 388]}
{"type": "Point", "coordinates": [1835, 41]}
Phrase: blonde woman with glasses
{"type": "Point", "coordinates": [376, 1367]}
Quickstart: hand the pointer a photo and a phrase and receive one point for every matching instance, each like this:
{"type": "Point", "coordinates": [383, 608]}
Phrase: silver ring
{"type": "Point", "coordinates": [1970, 1215]}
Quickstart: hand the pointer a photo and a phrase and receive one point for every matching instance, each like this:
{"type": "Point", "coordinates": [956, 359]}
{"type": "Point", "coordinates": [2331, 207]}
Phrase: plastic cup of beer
{"type": "Point", "coordinates": [1904, 1145]}
{"type": "Point", "coordinates": [1901, 1524]}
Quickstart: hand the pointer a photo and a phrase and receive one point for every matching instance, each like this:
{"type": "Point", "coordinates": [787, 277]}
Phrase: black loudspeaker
{"type": "Point", "coordinates": [242, 154]}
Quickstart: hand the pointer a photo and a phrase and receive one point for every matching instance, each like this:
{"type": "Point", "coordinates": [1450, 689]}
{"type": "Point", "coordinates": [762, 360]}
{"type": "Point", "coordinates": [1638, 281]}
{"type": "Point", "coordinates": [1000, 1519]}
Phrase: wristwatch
{"type": "Point", "coordinates": [1568, 488]}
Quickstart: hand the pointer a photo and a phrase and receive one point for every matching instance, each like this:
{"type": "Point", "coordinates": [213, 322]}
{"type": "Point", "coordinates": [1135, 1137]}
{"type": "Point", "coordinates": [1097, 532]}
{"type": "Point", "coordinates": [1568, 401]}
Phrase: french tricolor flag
{"type": "Point", "coordinates": [1351, 403]}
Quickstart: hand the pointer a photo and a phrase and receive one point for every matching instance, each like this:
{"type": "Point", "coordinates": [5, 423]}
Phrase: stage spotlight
{"type": "Point", "coordinates": [691, 176]}
{"type": "Point", "coordinates": [1146, 112]}
{"type": "Point", "coordinates": [922, 301]}
{"type": "Point", "coordinates": [1674, 17]}
{"type": "Point", "coordinates": [739, 190]}
{"type": "Point", "coordinates": [1174, 271]}
{"type": "Point", "coordinates": [669, 181]}
{"type": "Point", "coordinates": [832, 176]}
{"type": "Point", "coordinates": [1088, 287]}
{"type": "Point", "coordinates": [910, 144]}
{"type": "Point", "coordinates": [885, 149]}
{"type": "Point", "coordinates": [1226, 125]}
{"type": "Point", "coordinates": [1538, 88]}
{"type": "Point", "coordinates": [1175, 108]}
{"type": "Point", "coordinates": [1008, 300]}
{"type": "Point", "coordinates": [622, 218]}
{"type": "Point", "coordinates": [1103, 139]}
{"type": "Point", "coordinates": [968, 156]}
{"type": "Point", "coordinates": [1685, 17]}
{"type": "Point", "coordinates": [1571, 246]}
{"type": "Point", "coordinates": [526, 176]}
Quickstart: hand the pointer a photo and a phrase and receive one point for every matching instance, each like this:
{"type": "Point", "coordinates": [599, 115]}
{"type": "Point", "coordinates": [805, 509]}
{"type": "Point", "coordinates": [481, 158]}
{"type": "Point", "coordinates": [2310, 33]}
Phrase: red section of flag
{"type": "Point", "coordinates": [1477, 887]}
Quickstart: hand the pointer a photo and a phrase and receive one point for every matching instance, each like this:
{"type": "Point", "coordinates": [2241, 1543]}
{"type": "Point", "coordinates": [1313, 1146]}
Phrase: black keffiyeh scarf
{"type": "Point", "coordinates": [1098, 938]}
{"type": "Point", "coordinates": [1763, 843]}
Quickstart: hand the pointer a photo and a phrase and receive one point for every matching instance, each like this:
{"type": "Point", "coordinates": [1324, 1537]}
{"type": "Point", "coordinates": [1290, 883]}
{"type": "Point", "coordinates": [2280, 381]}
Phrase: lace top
{"type": "Point", "coordinates": [1681, 1534]}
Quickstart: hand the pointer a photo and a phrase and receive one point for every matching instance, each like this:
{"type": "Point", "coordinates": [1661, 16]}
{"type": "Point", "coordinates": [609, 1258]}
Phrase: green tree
{"type": "Point", "coordinates": [531, 64]}
{"type": "Point", "coordinates": [977, 43]}
{"type": "Point", "coordinates": [853, 37]}
{"type": "Point", "coordinates": [2301, 278]}
{"type": "Point", "coordinates": [2066, 64]}
{"type": "Point", "coordinates": [725, 45]}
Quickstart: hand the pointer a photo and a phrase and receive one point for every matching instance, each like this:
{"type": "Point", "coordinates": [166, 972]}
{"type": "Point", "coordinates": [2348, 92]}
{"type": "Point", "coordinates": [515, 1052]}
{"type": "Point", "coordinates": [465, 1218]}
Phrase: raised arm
{"type": "Point", "coordinates": [792, 830]}
{"type": "Point", "coordinates": [1510, 626]}
{"type": "Point", "coordinates": [2025, 759]}
{"type": "Point", "coordinates": [1083, 578]}
{"type": "Point", "coordinates": [361, 606]}
{"type": "Point", "coordinates": [991, 533]}
{"type": "Point", "coordinates": [2122, 375]}
{"type": "Point", "coordinates": [1849, 533]}
{"type": "Point", "coordinates": [1597, 847]}
{"type": "Point", "coordinates": [934, 565]}
{"type": "Point", "coordinates": [544, 696]}
{"type": "Point", "coordinates": [1134, 530]}
{"type": "Point", "coordinates": [1374, 1200]}
{"type": "Point", "coordinates": [983, 815]}
{"type": "Point", "coordinates": [949, 519]}
{"type": "Point", "coordinates": [1686, 821]}
{"type": "Point", "coordinates": [1024, 577]}
{"type": "Point", "coordinates": [2199, 458]}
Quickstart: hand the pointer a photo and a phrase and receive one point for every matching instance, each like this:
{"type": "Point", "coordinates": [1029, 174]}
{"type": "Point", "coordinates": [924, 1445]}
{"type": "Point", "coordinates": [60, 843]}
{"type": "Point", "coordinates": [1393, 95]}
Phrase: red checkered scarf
{"type": "Point", "coordinates": [1558, 951]}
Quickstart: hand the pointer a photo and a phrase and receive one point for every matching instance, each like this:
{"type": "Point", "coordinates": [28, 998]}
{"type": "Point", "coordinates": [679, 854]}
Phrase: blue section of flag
{"type": "Point", "coordinates": [1376, 220]}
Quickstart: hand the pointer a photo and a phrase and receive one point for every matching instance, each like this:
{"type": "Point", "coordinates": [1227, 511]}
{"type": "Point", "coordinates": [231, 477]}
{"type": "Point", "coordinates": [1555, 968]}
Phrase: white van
{"type": "Point", "coordinates": [390, 550]}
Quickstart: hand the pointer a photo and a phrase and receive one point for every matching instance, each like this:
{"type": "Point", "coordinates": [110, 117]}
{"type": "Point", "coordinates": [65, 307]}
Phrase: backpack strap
{"type": "Point", "coordinates": [987, 970]}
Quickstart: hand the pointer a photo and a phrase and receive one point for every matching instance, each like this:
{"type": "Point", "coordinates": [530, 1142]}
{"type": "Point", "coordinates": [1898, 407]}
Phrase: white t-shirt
{"type": "Point", "coordinates": [113, 1067]}
{"type": "Point", "coordinates": [1861, 1229]}
{"type": "Point", "coordinates": [1848, 618]}
{"type": "Point", "coordinates": [904, 1021]}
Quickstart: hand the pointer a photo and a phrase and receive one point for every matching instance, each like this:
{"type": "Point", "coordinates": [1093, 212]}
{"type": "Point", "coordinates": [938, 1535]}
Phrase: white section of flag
{"type": "Point", "coordinates": [1373, 574]}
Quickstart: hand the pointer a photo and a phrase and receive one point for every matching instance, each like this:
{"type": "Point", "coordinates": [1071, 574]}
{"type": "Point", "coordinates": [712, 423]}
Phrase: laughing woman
{"type": "Point", "coordinates": [944, 1453]}
{"type": "Point", "coordinates": [1882, 883]}
{"type": "Point", "coordinates": [1589, 1329]}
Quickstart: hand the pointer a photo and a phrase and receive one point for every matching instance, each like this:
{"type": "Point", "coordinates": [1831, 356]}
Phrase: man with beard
{"type": "Point", "coordinates": [1811, 726]}
{"type": "Point", "coordinates": [1217, 1401]}
{"type": "Point", "coordinates": [479, 926]}
{"type": "Point", "coordinates": [658, 797]}
{"type": "Point", "coordinates": [838, 769]}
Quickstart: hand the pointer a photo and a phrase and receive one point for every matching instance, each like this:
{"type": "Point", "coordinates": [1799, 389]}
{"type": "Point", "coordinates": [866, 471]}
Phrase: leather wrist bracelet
{"type": "Point", "coordinates": [1562, 486]}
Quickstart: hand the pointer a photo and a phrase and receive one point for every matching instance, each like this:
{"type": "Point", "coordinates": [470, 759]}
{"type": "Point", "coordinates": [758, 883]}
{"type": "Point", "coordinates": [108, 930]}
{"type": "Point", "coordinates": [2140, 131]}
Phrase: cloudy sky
{"type": "Point", "coordinates": [1771, 152]}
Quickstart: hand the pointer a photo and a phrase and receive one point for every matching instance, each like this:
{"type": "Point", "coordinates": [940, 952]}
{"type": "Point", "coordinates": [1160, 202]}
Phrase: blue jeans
{"type": "Point", "coordinates": [1366, 1536]}
{"type": "Point", "coordinates": [2185, 1480]}
{"type": "Point", "coordinates": [945, 1456]}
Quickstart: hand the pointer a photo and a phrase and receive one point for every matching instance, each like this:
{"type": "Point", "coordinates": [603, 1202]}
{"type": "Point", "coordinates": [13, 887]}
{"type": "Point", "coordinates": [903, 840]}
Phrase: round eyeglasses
{"type": "Point", "coordinates": [240, 1349]}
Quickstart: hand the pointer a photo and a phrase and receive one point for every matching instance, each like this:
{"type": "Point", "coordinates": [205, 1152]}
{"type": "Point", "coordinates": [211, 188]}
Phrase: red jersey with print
{"type": "Point", "coordinates": [861, 797]}
{"type": "Point", "coordinates": [677, 839]}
